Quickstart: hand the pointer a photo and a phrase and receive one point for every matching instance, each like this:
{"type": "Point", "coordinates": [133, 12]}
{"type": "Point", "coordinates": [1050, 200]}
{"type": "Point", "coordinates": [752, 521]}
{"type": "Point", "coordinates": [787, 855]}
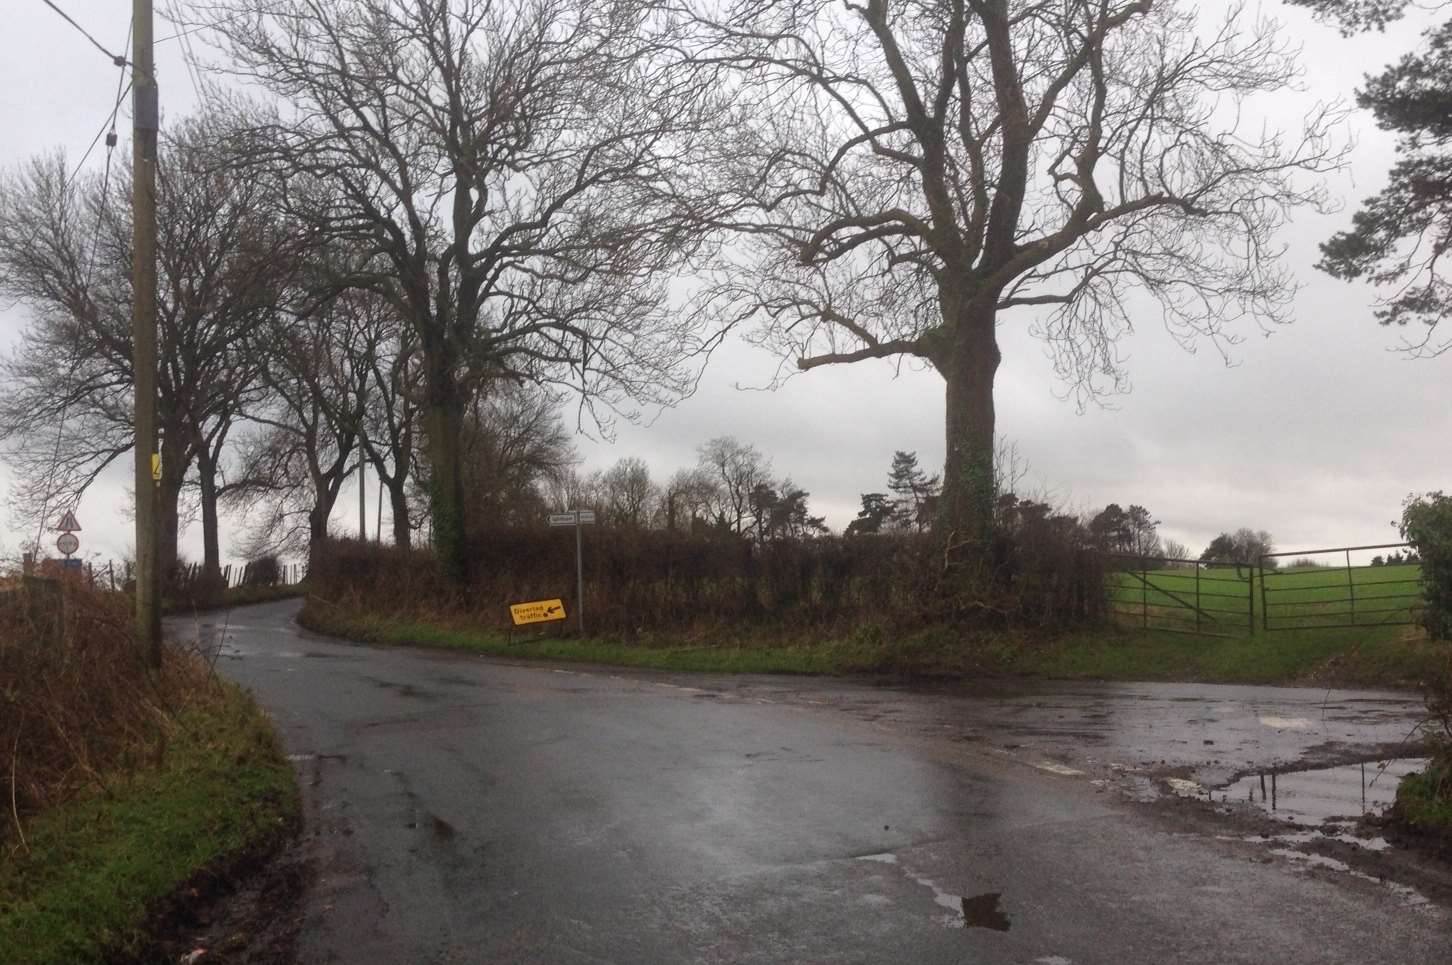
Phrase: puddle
{"type": "Point", "coordinates": [432, 822]}
{"type": "Point", "coordinates": [1286, 723]}
{"type": "Point", "coordinates": [1317, 796]}
{"type": "Point", "coordinates": [1061, 769]}
{"type": "Point", "coordinates": [982, 911]}
{"type": "Point", "coordinates": [1329, 832]}
{"type": "Point", "coordinates": [978, 911]}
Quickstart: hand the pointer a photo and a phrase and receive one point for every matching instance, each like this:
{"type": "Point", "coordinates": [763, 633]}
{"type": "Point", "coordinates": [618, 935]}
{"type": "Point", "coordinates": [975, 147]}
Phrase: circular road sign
{"type": "Point", "coordinates": [68, 543]}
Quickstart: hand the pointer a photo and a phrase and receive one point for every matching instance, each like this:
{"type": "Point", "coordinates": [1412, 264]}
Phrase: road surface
{"type": "Point", "coordinates": [464, 809]}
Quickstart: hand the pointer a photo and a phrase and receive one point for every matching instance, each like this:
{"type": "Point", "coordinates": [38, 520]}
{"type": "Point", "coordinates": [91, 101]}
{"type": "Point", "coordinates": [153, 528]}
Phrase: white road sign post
{"type": "Point", "coordinates": [577, 518]}
{"type": "Point", "coordinates": [68, 542]}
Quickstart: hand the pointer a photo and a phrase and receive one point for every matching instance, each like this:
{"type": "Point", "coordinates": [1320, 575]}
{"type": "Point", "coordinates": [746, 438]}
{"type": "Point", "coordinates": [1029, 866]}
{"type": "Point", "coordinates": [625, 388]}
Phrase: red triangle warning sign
{"type": "Point", "coordinates": [68, 523]}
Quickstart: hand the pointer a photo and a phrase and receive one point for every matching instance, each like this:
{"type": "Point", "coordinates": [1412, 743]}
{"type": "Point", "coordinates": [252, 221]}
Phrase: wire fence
{"type": "Point", "coordinates": [116, 575]}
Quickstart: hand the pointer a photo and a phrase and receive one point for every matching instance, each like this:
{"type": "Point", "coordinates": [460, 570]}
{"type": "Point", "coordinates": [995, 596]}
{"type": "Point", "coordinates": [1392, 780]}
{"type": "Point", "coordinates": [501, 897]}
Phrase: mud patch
{"type": "Point", "coordinates": [1407, 895]}
{"type": "Point", "coordinates": [247, 914]}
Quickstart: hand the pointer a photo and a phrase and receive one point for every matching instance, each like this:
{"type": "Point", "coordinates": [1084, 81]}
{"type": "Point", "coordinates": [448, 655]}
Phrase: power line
{"type": "Point", "coordinates": [200, 27]}
{"type": "Point", "coordinates": [116, 59]}
{"type": "Point", "coordinates": [121, 89]}
{"type": "Point", "coordinates": [107, 125]}
{"type": "Point", "coordinates": [194, 74]}
{"type": "Point", "coordinates": [109, 129]}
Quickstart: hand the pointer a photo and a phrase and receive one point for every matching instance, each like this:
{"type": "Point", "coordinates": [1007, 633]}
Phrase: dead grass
{"type": "Point", "coordinates": [120, 782]}
{"type": "Point", "coordinates": [77, 702]}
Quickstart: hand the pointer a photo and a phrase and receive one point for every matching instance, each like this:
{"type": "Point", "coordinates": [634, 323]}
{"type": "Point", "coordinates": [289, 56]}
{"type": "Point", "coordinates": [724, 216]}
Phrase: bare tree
{"type": "Point", "coordinates": [688, 498]}
{"type": "Point", "coordinates": [1175, 550]}
{"type": "Point", "coordinates": [514, 444]}
{"type": "Point", "coordinates": [569, 489]}
{"type": "Point", "coordinates": [737, 470]}
{"type": "Point", "coordinates": [516, 168]}
{"type": "Point", "coordinates": [318, 367]}
{"type": "Point", "coordinates": [65, 253]}
{"type": "Point", "coordinates": [911, 175]}
{"type": "Point", "coordinates": [390, 430]}
{"type": "Point", "coordinates": [629, 493]}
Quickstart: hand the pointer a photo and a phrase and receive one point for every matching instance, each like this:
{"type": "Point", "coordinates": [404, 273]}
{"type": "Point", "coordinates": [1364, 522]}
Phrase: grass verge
{"type": "Point", "coordinates": [100, 869]}
{"type": "Point", "coordinates": [721, 654]}
{"type": "Point", "coordinates": [1424, 802]}
{"type": "Point", "coordinates": [1393, 657]}
{"type": "Point", "coordinates": [1397, 657]}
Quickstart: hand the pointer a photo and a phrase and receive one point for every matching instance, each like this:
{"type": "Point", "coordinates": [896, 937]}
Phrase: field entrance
{"type": "Point", "coordinates": [1182, 596]}
{"type": "Point", "coordinates": [1349, 586]}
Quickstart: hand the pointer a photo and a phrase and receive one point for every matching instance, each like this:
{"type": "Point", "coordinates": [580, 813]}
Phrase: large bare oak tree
{"type": "Point", "coordinates": [911, 174]}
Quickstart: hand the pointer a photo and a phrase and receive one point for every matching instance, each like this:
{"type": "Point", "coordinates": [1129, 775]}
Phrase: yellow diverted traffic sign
{"type": "Point", "coordinates": [539, 611]}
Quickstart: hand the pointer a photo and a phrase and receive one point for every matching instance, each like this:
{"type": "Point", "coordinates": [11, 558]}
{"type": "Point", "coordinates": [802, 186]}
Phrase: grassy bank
{"type": "Point", "coordinates": [92, 874]}
{"type": "Point", "coordinates": [1385, 657]}
{"type": "Point", "coordinates": [1424, 802]}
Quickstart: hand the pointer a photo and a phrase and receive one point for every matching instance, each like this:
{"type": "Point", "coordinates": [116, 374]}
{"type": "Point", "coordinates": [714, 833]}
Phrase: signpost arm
{"type": "Point", "coordinates": [579, 575]}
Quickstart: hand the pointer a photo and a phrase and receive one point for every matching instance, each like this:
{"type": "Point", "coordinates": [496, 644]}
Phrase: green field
{"type": "Point", "coordinates": [1233, 600]}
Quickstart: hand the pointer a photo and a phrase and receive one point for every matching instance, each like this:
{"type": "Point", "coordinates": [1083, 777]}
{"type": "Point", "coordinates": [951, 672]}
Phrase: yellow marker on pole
{"type": "Point", "coordinates": [156, 467]}
{"type": "Point", "coordinates": [540, 611]}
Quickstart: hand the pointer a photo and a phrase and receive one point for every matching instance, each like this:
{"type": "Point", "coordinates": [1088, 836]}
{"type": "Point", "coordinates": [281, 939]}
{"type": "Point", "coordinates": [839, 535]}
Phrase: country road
{"type": "Point", "coordinates": [463, 810]}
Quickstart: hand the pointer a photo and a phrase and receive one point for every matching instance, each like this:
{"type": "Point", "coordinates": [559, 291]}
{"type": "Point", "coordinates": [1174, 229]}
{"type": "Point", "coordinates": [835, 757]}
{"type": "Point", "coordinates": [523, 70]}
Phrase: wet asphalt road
{"type": "Point", "coordinates": [471, 810]}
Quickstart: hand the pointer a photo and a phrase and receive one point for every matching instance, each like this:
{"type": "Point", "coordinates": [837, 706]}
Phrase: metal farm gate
{"type": "Point", "coordinates": [1329, 591]}
{"type": "Point", "coordinates": [1320, 589]}
{"type": "Point", "coordinates": [1182, 596]}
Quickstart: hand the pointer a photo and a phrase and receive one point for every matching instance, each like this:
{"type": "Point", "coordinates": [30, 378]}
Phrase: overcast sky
{"type": "Point", "coordinates": [1316, 432]}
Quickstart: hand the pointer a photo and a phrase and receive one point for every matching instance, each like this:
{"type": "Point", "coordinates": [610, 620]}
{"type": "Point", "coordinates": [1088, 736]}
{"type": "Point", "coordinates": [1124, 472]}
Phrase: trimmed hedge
{"type": "Point", "coordinates": [637, 580]}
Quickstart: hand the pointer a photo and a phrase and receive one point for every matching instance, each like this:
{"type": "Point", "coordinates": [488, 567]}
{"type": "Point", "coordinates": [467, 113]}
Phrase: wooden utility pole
{"type": "Point", "coordinates": [362, 493]}
{"type": "Point", "coordinates": [145, 123]}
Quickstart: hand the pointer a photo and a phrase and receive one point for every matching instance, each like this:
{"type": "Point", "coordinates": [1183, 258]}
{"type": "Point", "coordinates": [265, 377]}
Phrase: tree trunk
{"type": "Point", "coordinates": [174, 462]}
{"type": "Point", "coordinates": [168, 498]}
{"type": "Point", "coordinates": [966, 509]}
{"type": "Point", "coordinates": [443, 419]}
{"type": "Point", "coordinates": [398, 501]}
{"type": "Point", "coordinates": [318, 525]}
{"type": "Point", "coordinates": [211, 543]}
{"type": "Point", "coordinates": [318, 517]}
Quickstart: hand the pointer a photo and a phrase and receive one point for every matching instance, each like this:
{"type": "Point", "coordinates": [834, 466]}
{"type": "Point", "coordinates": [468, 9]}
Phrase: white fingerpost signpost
{"type": "Point", "coordinates": [577, 518]}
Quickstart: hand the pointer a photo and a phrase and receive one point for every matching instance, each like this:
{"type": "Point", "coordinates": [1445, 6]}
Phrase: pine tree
{"type": "Point", "coordinates": [876, 510]}
{"type": "Point", "coordinates": [915, 493]}
{"type": "Point", "coordinates": [1400, 237]}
